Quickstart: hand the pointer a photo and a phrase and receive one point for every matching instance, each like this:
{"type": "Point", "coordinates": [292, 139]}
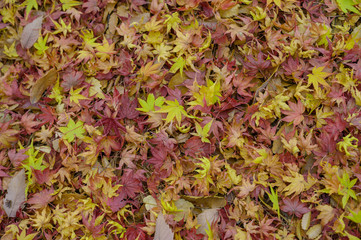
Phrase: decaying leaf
{"type": "Point", "coordinates": [306, 220]}
{"type": "Point", "coordinates": [207, 217]}
{"type": "Point", "coordinates": [162, 229]}
{"type": "Point", "coordinates": [30, 33]}
{"type": "Point", "coordinates": [42, 84]}
{"type": "Point", "coordinates": [16, 194]}
{"type": "Point", "coordinates": [314, 231]}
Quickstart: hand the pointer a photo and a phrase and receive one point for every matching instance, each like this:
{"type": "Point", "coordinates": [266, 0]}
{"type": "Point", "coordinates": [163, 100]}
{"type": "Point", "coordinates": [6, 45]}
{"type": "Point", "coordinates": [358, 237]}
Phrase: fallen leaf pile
{"type": "Point", "coordinates": [175, 119]}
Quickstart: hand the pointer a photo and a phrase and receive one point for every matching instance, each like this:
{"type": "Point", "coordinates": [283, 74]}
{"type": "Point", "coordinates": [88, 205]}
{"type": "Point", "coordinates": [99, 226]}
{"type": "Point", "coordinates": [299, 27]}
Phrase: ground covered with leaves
{"type": "Point", "coordinates": [177, 119]}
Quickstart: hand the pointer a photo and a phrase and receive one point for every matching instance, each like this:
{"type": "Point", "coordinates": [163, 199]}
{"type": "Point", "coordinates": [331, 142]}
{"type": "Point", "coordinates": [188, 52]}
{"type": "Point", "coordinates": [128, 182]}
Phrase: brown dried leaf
{"type": "Point", "coordinates": [162, 229]}
{"type": "Point", "coordinates": [314, 231]}
{"type": "Point", "coordinates": [16, 194]}
{"type": "Point", "coordinates": [42, 84]}
{"type": "Point", "coordinates": [31, 33]}
{"type": "Point", "coordinates": [326, 214]}
{"type": "Point", "coordinates": [208, 215]}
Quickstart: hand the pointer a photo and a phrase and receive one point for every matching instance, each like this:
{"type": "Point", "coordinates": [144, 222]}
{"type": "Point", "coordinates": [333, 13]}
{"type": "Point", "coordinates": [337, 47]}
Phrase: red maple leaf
{"type": "Point", "coordinates": [294, 207]}
{"type": "Point", "coordinates": [158, 157]}
{"type": "Point", "coordinates": [17, 157]}
{"type": "Point", "coordinates": [71, 79]}
{"type": "Point", "coordinates": [131, 183]}
{"type": "Point", "coordinates": [44, 176]}
{"type": "Point", "coordinates": [91, 6]}
{"type": "Point", "coordinates": [108, 143]}
{"type": "Point", "coordinates": [117, 203]}
{"type": "Point", "coordinates": [2, 173]}
{"type": "Point", "coordinates": [90, 225]}
{"type": "Point", "coordinates": [135, 232]}
{"type": "Point", "coordinates": [27, 120]}
{"type": "Point", "coordinates": [128, 108]}
{"type": "Point", "coordinates": [41, 199]}
{"type": "Point", "coordinates": [48, 115]}
{"type": "Point", "coordinates": [295, 114]}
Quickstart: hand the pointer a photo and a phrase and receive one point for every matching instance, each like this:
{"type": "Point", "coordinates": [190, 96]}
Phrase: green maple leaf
{"type": "Point", "coordinates": [346, 190]}
{"type": "Point", "coordinates": [149, 105]}
{"type": "Point", "coordinates": [67, 4]}
{"type": "Point", "coordinates": [174, 110]}
{"type": "Point", "coordinates": [56, 93]}
{"type": "Point", "coordinates": [40, 45]}
{"type": "Point", "coordinates": [73, 130]}
{"type": "Point", "coordinates": [179, 64]}
{"type": "Point", "coordinates": [318, 77]}
{"type": "Point", "coordinates": [356, 217]}
{"type": "Point", "coordinates": [348, 5]}
{"type": "Point", "coordinates": [273, 196]}
{"type": "Point", "coordinates": [203, 133]}
{"type": "Point", "coordinates": [172, 21]}
{"type": "Point", "coordinates": [75, 95]}
{"type": "Point", "coordinates": [30, 4]}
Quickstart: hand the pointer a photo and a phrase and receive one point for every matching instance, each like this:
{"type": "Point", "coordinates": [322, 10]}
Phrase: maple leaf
{"type": "Point", "coordinates": [41, 199]}
{"type": "Point", "coordinates": [30, 4]}
{"type": "Point", "coordinates": [149, 105]}
{"type": "Point", "coordinates": [44, 134]}
{"type": "Point", "coordinates": [172, 21]}
{"type": "Point", "coordinates": [179, 64]}
{"type": "Point", "coordinates": [40, 45]}
{"type": "Point", "coordinates": [68, 4]}
{"type": "Point", "coordinates": [158, 157]}
{"type": "Point", "coordinates": [273, 196]}
{"type": "Point", "coordinates": [203, 133]}
{"type": "Point", "coordinates": [348, 5]}
{"type": "Point", "coordinates": [149, 69]}
{"type": "Point", "coordinates": [11, 51]}
{"type": "Point", "coordinates": [72, 79]}
{"type": "Point", "coordinates": [42, 220]}
{"type": "Point", "coordinates": [163, 51]}
{"type": "Point", "coordinates": [96, 88]}
{"type": "Point", "coordinates": [173, 110]}
{"type": "Point", "coordinates": [109, 143]}
{"type": "Point", "coordinates": [209, 93]}
{"type": "Point", "coordinates": [24, 236]}
{"type": "Point", "coordinates": [295, 115]}
{"type": "Point", "coordinates": [318, 77]}
{"type": "Point", "coordinates": [346, 143]}
{"type": "Point", "coordinates": [346, 190]}
{"type": "Point", "coordinates": [105, 50]}
{"type": "Point", "coordinates": [56, 93]}
{"type": "Point", "coordinates": [75, 95]}
{"type": "Point", "coordinates": [91, 6]}
{"type": "Point", "coordinates": [356, 217]}
{"type": "Point", "coordinates": [326, 213]}
{"type": "Point", "coordinates": [73, 130]}
{"type": "Point", "coordinates": [93, 224]}
{"type": "Point", "coordinates": [131, 183]}
{"type": "Point", "coordinates": [62, 27]}
{"type": "Point", "coordinates": [297, 184]}
{"type": "Point", "coordinates": [294, 207]}
{"type": "Point", "coordinates": [127, 108]}
{"type": "Point", "coordinates": [27, 120]}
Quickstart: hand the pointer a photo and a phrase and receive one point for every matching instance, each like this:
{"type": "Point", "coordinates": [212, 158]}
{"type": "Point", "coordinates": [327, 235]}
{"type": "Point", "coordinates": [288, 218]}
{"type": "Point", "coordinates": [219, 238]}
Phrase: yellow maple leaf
{"type": "Point", "coordinates": [297, 184]}
{"type": "Point", "coordinates": [318, 77]}
{"type": "Point", "coordinates": [105, 50]}
{"type": "Point", "coordinates": [149, 69]}
{"type": "Point", "coordinates": [75, 95]}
